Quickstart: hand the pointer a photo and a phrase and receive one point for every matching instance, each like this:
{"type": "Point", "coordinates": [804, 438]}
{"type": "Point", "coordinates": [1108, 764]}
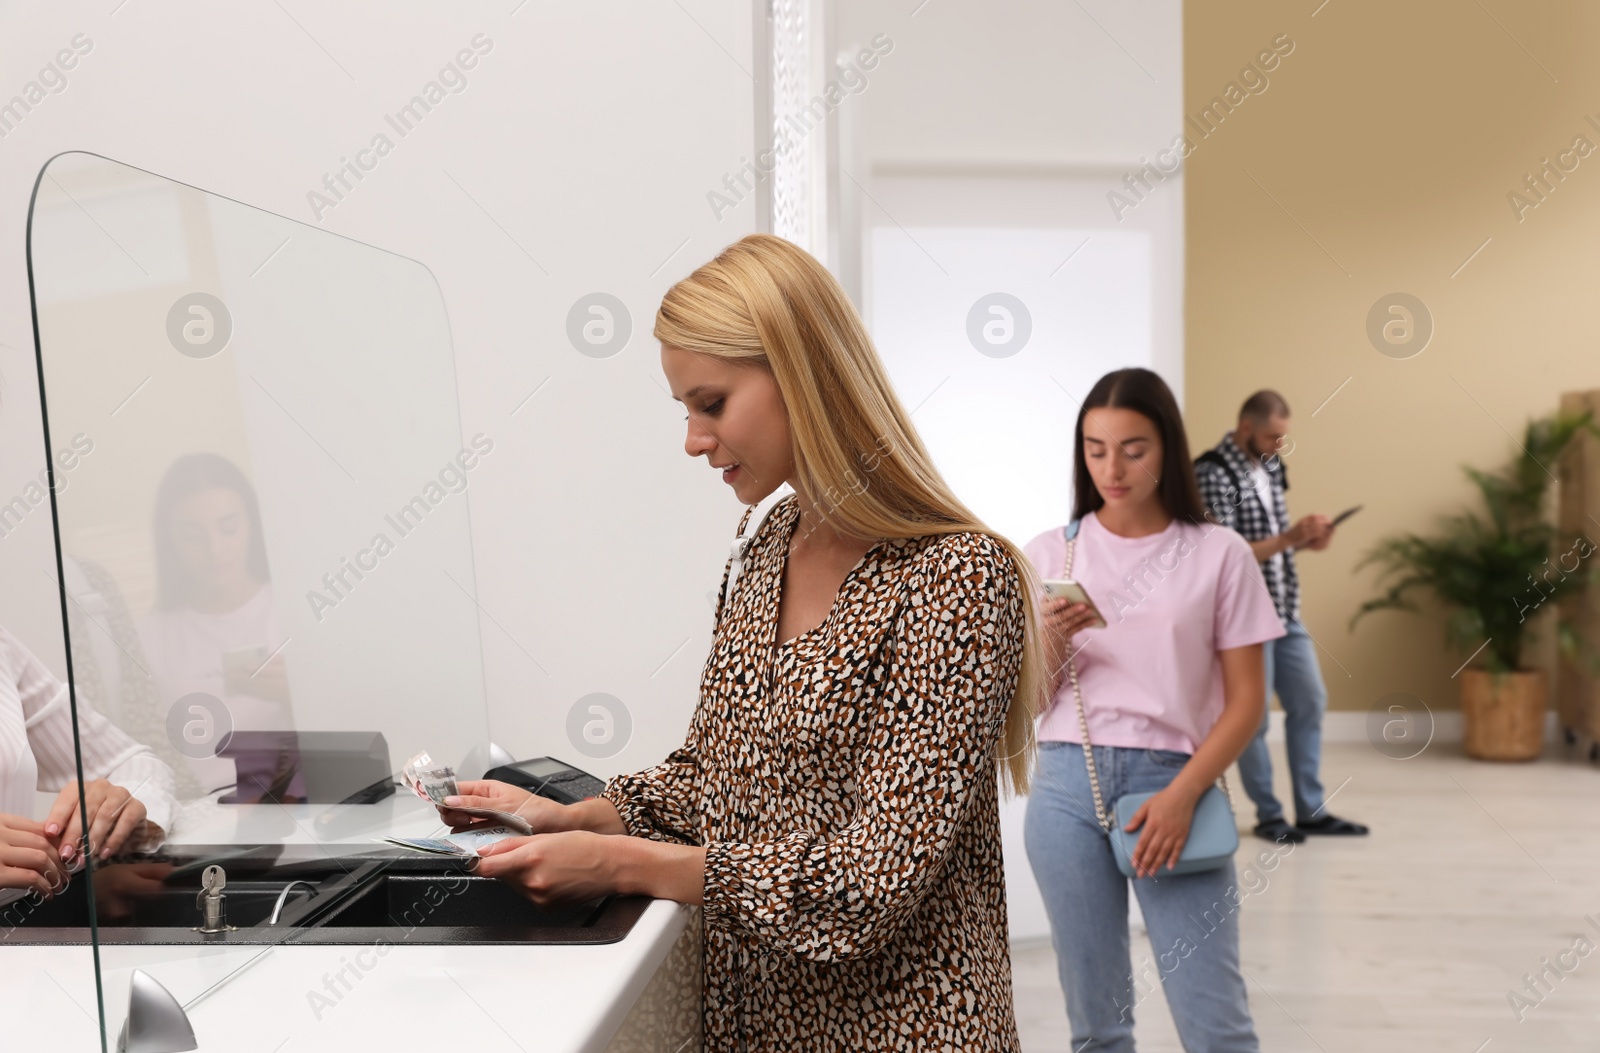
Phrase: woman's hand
{"type": "Point", "coordinates": [114, 815]}
{"type": "Point", "coordinates": [27, 857]}
{"type": "Point", "coordinates": [569, 867]}
{"type": "Point", "coordinates": [1063, 619]}
{"type": "Point", "coordinates": [543, 814]}
{"type": "Point", "coordinates": [121, 887]}
{"type": "Point", "coordinates": [1165, 817]}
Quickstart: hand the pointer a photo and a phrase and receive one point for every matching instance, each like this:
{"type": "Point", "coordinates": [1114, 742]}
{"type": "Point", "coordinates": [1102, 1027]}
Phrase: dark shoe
{"type": "Point", "coordinates": [1331, 825]}
{"type": "Point", "coordinates": [1278, 831]}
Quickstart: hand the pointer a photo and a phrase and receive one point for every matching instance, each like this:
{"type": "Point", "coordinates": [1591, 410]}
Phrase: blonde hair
{"type": "Point", "coordinates": [764, 301]}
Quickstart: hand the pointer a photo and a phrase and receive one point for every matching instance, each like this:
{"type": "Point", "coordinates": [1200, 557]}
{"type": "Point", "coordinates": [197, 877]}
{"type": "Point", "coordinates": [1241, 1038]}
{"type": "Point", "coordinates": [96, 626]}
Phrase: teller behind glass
{"type": "Point", "coordinates": [128, 798]}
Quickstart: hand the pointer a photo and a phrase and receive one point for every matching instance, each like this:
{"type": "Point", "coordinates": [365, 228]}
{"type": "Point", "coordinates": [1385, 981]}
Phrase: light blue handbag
{"type": "Point", "coordinates": [1213, 832]}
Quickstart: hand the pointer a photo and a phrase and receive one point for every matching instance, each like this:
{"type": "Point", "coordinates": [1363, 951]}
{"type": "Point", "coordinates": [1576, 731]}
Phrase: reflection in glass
{"type": "Point", "coordinates": [214, 628]}
{"type": "Point", "coordinates": [260, 497]}
{"type": "Point", "coordinates": [126, 800]}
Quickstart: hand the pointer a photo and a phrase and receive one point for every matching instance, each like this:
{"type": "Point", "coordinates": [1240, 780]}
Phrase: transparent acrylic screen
{"type": "Point", "coordinates": [261, 490]}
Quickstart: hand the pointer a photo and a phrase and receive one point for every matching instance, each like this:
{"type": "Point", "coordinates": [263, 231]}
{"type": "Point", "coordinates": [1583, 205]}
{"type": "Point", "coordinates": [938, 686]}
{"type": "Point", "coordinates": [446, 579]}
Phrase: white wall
{"type": "Point", "coordinates": [597, 541]}
{"type": "Point", "coordinates": [576, 159]}
{"type": "Point", "coordinates": [983, 151]}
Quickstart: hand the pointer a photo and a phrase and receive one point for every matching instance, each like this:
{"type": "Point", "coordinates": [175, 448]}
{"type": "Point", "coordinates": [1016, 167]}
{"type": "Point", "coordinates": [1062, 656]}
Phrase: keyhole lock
{"type": "Point", "coordinates": [211, 903]}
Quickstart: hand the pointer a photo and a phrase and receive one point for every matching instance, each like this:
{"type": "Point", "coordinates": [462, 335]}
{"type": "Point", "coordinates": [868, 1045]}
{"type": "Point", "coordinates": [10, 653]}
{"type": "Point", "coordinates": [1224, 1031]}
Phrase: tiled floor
{"type": "Point", "coordinates": [1412, 938]}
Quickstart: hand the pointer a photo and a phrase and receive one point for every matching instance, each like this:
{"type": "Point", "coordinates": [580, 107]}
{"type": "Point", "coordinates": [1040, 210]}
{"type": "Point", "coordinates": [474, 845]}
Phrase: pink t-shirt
{"type": "Point", "coordinates": [1152, 677]}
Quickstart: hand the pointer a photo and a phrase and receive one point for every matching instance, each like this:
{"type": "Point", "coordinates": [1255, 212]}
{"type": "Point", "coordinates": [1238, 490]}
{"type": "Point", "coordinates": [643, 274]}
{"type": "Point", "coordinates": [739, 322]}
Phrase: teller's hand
{"type": "Point", "coordinates": [28, 859]}
{"type": "Point", "coordinates": [114, 815]}
{"type": "Point", "coordinates": [121, 887]}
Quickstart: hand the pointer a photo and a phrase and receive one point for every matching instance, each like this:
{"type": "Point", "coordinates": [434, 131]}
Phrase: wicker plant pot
{"type": "Point", "coordinates": [1503, 714]}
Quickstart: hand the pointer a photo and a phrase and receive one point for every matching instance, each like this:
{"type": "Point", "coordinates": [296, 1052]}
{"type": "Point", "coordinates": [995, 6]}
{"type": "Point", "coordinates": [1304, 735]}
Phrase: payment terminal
{"type": "Point", "coordinates": [549, 777]}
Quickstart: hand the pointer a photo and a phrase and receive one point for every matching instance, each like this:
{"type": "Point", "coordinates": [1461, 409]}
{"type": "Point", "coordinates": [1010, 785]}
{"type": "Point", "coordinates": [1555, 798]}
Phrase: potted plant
{"type": "Point", "coordinates": [1492, 574]}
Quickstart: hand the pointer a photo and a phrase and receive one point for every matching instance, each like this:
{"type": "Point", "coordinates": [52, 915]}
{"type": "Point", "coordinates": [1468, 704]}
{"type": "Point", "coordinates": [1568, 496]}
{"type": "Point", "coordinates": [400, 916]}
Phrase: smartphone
{"type": "Point", "coordinates": [1062, 589]}
{"type": "Point", "coordinates": [1346, 514]}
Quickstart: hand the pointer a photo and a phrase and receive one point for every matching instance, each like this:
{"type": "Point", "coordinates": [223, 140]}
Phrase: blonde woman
{"type": "Point", "coordinates": [834, 807]}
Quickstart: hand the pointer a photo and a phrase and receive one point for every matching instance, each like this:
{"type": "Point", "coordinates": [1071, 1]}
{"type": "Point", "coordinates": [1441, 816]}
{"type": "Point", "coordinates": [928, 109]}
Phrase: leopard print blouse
{"type": "Point", "coordinates": [844, 784]}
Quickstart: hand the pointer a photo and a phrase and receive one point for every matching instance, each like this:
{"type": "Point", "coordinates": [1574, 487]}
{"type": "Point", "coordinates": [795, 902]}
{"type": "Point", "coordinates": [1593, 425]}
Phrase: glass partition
{"type": "Point", "coordinates": [260, 490]}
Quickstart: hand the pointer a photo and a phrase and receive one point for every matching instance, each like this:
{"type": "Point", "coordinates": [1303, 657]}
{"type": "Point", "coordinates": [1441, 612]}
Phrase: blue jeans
{"type": "Point", "coordinates": [1292, 671]}
{"type": "Point", "coordinates": [1192, 918]}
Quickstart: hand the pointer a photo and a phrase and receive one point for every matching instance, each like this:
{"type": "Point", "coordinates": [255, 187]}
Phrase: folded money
{"type": "Point", "coordinates": [431, 782]}
{"type": "Point", "coordinates": [463, 845]}
{"type": "Point", "coordinates": [434, 783]}
{"type": "Point", "coordinates": [496, 817]}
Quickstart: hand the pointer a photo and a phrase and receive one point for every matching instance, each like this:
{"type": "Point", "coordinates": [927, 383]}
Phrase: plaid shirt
{"type": "Point", "coordinates": [1246, 513]}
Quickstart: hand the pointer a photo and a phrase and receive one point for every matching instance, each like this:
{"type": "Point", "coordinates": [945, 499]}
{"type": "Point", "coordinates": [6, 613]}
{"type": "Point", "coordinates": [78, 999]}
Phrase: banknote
{"type": "Point", "coordinates": [463, 845]}
{"type": "Point", "coordinates": [430, 781]}
{"type": "Point", "coordinates": [434, 782]}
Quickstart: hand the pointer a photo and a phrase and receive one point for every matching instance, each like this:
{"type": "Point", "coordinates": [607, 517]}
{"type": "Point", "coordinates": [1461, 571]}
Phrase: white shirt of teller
{"type": "Point", "coordinates": [36, 742]}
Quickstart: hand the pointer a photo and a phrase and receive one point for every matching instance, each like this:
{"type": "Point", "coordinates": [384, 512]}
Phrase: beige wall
{"type": "Point", "coordinates": [1390, 138]}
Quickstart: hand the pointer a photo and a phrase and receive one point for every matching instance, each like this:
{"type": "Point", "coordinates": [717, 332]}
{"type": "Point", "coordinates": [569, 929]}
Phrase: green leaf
{"type": "Point", "coordinates": [1496, 571]}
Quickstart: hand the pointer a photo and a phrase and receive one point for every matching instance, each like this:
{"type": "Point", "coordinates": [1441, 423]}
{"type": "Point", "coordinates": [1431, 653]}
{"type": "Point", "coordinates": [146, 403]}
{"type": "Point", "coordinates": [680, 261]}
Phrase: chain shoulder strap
{"type": "Point", "coordinates": [1102, 815]}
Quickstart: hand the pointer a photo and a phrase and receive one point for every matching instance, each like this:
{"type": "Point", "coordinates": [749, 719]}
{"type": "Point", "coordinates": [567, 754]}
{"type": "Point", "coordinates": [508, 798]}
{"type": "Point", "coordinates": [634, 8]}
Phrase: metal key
{"type": "Point", "coordinates": [213, 905]}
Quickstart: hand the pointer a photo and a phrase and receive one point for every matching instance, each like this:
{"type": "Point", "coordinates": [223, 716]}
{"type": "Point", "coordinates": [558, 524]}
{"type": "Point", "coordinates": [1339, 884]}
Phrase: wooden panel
{"type": "Point", "coordinates": [1577, 691]}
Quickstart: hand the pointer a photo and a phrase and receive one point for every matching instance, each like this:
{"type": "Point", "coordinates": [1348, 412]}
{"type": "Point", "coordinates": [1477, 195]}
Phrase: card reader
{"type": "Point", "coordinates": [549, 777]}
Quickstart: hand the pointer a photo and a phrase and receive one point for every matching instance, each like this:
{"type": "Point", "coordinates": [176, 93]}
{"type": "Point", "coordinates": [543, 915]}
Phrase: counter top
{"type": "Point", "coordinates": [556, 998]}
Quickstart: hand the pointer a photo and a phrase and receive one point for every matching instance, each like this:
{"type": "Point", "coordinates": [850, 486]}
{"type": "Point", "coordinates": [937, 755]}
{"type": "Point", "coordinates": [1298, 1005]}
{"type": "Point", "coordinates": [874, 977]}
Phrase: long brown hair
{"type": "Point", "coordinates": [185, 477]}
{"type": "Point", "coordinates": [1145, 393]}
{"type": "Point", "coordinates": [766, 301]}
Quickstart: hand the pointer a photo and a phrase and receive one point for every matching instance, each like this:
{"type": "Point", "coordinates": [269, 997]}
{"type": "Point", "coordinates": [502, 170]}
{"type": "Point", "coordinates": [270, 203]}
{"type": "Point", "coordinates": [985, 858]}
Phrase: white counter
{"type": "Point", "coordinates": [556, 998]}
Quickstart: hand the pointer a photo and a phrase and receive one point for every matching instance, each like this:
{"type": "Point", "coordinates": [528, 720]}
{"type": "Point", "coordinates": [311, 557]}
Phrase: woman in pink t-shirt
{"type": "Point", "coordinates": [1172, 690]}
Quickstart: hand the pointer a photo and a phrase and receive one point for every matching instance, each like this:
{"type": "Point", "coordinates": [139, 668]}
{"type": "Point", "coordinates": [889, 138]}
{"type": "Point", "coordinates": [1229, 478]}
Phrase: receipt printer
{"type": "Point", "coordinates": [317, 767]}
{"type": "Point", "coordinates": [550, 778]}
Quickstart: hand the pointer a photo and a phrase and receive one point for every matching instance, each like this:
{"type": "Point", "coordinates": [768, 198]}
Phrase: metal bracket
{"type": "Point", "coordinates": [156, 1022]}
